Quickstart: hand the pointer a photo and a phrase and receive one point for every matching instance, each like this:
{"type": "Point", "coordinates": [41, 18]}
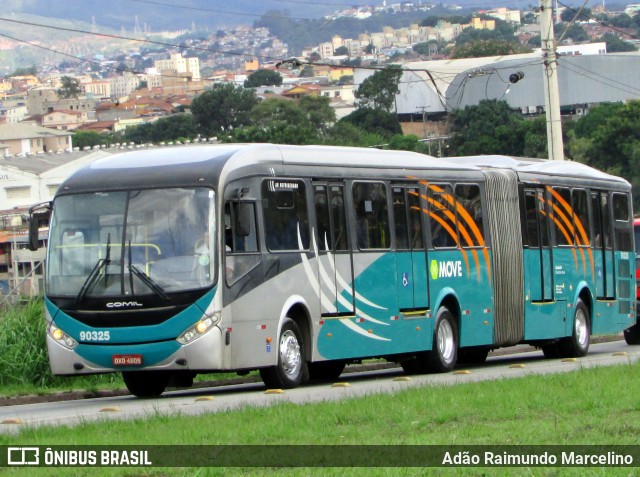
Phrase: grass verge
{"type": "Point", "coordinates": [589, 406]}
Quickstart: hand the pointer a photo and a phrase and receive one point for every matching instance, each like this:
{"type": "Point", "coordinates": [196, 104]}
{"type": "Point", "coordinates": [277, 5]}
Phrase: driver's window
{"type": "Point", "coordinates": [240, 237]}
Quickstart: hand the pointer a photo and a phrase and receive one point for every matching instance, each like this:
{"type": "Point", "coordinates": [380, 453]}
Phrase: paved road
{"type": "Point", "coordinates": [197, 401]}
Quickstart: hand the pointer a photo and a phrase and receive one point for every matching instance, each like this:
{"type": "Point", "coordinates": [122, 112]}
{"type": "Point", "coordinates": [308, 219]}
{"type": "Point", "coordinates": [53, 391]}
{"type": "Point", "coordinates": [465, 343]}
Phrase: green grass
{"type": "Point", "coordinates": [24, 363]}
{"type": "Point", "coordinates": [589, 406]}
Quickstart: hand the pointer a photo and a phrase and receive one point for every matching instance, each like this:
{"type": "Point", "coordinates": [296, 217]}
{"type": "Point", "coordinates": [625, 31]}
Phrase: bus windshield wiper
{"type": "Point", "coordinates": [95, 272]}
{"type": "Point", "coordinates": [147, 280]}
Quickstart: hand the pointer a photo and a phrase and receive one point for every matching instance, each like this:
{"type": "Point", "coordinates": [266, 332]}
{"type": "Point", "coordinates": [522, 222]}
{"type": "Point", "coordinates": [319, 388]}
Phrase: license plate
{"type": "Point", "coordinates": [127, 360]}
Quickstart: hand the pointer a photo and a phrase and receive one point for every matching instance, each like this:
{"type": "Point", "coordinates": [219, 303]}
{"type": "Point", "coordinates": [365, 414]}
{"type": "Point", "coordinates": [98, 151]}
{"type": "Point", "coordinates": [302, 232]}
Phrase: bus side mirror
{"type": "Point", "coordinates": [243, 219]}
{"type": "Point", "coordinates": [35, 220]}
{"type": "Point", "coordinates": [34, 225]}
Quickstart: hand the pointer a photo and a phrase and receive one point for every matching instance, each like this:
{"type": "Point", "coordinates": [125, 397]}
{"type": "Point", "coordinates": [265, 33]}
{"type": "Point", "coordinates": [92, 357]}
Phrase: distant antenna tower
{"type": "Point", "coordinates": [136, 28]}
{"type": "Point", "coordinates": [94, 27]}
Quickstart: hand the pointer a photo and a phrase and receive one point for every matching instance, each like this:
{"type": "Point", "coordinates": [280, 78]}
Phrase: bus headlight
{"type": "Point", "coordinates": [195, 331]}
{"type": "Point", "coordinates": [62, 338]}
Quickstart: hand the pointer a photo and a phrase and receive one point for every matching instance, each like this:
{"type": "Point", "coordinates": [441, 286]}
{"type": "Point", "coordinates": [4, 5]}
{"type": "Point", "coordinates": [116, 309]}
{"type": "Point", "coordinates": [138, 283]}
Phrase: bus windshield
{"type": "Point", "coordinates": [131, 243]}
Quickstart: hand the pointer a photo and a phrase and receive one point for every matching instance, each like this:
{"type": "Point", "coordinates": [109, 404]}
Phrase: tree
{"type": "Point", "coordinates": [174, 127]}
{"type": "Point", "coordinates": [32, 70]}
{"type": "Point", "coordinates": [573, 32]}
{"type": "Point", "coordinates": [616, 44]}
{"type": "Point", "coordinates": [503, 31]}
{"type": "Point", "coordinates": [84, 139]}
{"type": "Point", "coordinates": [608, 138]}
{"type": "Point", "coordinates": [279, 121]}
{"type": "Point", "coordinates": [376, 121]}
{"type": "Point", "coordinates": [379, 90]}
{"type": "Point", "coordinates": [490, 127]}
{"type": "Point", "coordinates": [70, 87]}
{"type": "Point", "coordinates": [344, 133]}
{"type": "Point", "coordinates": [318, 111]}
{"type": "Point", "coordinates": [263, 77]}
{"type": "Point", "coordinates": [621, 21]}
{"type": "Point", "coordinates": [421, 48]}
{"type": "Point", "coordinates": [568, 14]}
{"type": "Point", "coordinates": [306, 71]}
{"type": "Point", "coordinates": [341, 51]}
{"type": "Point", "coordinates": [483, 48]}
{"type": "Point", "coordinates": [223, 108]}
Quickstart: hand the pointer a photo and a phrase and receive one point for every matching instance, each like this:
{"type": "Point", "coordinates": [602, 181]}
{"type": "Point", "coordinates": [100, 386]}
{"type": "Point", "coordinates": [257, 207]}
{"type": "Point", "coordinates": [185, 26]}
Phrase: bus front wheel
{"type": "Point", "coordinates": [577, 345]}
{"type": "Point", "coordinates": [145, 384]}
{"type": "Point", "coordinates": [291, 366]}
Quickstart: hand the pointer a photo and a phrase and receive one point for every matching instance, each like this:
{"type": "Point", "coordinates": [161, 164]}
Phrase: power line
{"type": "Point", "coordinates": [605, 24]}
{"type": "Point", "coordinates": [594, 77]}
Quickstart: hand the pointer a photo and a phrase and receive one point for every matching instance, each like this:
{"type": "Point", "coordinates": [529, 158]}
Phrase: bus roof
{"type": "Point", "coordinates": [535, 166]}
{"type": "Point", "coordinates": [205, 164]}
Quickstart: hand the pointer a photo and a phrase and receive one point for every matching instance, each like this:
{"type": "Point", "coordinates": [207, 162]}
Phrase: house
{"type": "Point", "coordinates": [26, 139]}
{"type": "Point", "coordinates": [65, 120]}
{"type": "Point", "coordinates": [299, 91]}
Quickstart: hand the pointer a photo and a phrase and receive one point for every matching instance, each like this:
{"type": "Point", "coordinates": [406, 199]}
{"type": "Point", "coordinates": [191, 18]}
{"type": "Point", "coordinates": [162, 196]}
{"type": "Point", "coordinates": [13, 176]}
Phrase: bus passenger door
{"type": "Point", "coordinates": [411, 259]}
{"type": "Point", "coordinates": [538, 257]}
{"type": "Point", "coordinates": [603, 246]}
{"type": "Point", "coordinates": [335, 267]}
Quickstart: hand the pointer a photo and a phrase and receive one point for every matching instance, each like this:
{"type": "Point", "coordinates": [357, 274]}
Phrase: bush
{"type": "Point", "coordinates": [23, 351]}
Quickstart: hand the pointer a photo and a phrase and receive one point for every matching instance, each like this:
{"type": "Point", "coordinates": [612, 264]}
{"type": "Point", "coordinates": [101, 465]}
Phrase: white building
{"type": "Point", "coordinates": [180, 65]}
{"type": "Point", "coordinates": [123, 85]}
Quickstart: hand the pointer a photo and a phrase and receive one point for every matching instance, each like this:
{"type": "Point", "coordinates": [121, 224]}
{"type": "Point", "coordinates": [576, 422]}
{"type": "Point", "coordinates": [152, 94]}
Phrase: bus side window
{"type": "Point", "coordinates": [241, 242]}
{"type": "Point", "coordinates": [531, 225]}
{"type": "Point", "coordinates": [561, 216]}
{"type": "Point", "coordinates": [372, 215]}
{"type": "Point", "coordinates": [582, 223]}
{"type": "Point", "coordinates": [400, 218]}
{"type": "Point", "coordinates": [622, 227]}
{"type": "Point", "coordinates": [442, 220]}
{"type": "Point", "coordinates": [286, 219]}
{"type": "Point", "coordinates": [470, 217]}
{"type": "Point", "coordinates": [416, 242]}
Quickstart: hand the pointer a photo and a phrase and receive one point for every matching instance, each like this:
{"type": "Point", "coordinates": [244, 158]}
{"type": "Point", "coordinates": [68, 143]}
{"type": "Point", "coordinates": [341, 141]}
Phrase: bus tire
{"type": "Point", "coordinates": [577, 345]}
{"type": "Point", "coordinates": [632, 335]}
{"type": "Point", "coordinates": [291, 367]}
{"type": "Point", "coordinates": [444, 352]}
{"type": "Point", "coordinates": [145, 384]}
{"type": "Point", "coordinates": [326, 370]}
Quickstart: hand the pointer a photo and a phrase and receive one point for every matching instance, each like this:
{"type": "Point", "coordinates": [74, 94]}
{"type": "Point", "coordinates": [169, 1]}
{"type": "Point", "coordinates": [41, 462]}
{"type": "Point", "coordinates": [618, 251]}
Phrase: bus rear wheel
{"type": "Point", "coordinates": [146, 384]}
{"type": "Point", "coordinates": [632, 335]}
{"type": "Point", "coordinates": [577, 345]}
{"type": "Point", "coordinates": [444, 351]}
{"type": "Point", "coordinates": [291, 367]}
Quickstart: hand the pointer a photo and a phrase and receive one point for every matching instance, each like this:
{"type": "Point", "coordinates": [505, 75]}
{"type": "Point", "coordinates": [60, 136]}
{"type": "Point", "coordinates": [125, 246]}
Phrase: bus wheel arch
{"type": "Point", "coordinates": [293, 351]}
{"type": "Point", "coordinates": [576, 345]}
{"type": "Point", "coordinates": [443, 355]}
{"type": "Point", "coordinates": [446, 339]}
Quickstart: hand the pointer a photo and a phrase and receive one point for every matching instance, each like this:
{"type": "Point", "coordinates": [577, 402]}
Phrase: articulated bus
{"type": "Point", "coordinates": [298, 260]}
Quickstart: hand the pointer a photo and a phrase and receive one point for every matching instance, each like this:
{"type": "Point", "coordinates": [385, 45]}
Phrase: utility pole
{"type": "Point", "coordinates": [550, 78]}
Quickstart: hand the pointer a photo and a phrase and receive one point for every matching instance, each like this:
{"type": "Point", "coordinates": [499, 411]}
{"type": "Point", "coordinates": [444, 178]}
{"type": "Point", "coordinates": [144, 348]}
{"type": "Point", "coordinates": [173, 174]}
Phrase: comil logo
{"type": "Point", "coordinates": [448, 269]}
{"type": "Point", "coordinates": [23, 456]}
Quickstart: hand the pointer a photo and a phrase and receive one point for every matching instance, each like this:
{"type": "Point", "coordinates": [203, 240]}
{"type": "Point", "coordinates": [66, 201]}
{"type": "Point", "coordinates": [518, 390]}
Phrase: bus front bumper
{"type": "Point", "coordinates": [204, 353]}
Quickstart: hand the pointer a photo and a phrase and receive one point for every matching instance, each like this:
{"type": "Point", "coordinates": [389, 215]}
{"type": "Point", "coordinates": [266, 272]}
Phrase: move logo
{"type": "Point", "coordinates": [448, 268]}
